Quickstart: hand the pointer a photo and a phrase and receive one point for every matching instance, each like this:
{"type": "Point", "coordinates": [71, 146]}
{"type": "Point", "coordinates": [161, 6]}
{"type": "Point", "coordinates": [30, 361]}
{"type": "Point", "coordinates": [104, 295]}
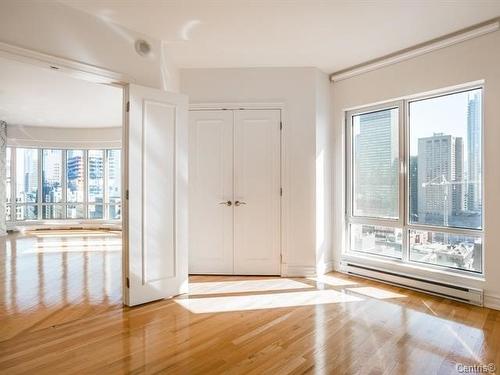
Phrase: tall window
{"type": "Point", "coordinates": [26, 183]}
{"type": "Point", "coordinates": [8, 184]}
{"type": "Point", "coordinates": [95, 173]}
{"type": "Point", "coordinates": [51, 184]}
{"type": "Point", "coordinates": [418, 198]}
{"type": "Point", "coordinates": [75, 188]}
{"type": "Point", "coordinates": [113, 176]}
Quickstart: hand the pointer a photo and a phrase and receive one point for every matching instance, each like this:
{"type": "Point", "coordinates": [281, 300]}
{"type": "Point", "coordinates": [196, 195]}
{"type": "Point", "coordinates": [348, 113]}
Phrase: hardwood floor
{"type": "Point", "coordinates": [70, 320]}
{"type": "Point", "coordinates": [51, 277]}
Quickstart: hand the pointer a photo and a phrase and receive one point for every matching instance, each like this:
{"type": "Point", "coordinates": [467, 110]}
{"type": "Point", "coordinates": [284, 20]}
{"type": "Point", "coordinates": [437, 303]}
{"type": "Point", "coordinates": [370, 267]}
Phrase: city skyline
{"type": "Point", "coordinates": [72, 174]}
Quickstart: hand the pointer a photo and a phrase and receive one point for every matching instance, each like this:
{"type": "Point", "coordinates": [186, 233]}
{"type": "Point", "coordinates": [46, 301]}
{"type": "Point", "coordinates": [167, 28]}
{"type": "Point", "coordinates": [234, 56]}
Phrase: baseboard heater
{"type": "Point", "coordinates": [437, 288]}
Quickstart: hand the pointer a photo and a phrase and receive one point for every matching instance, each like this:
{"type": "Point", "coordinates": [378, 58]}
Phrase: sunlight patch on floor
{"type": "Point", "coordinates": [69, 234]}
{"type": "Point", "coordinates": [242, 286]}
{"type": "Point", "coordinates": [332, 280]}
{"type": "Point", "coordinates": [377, 293]}
{"type": "Point", "coordinates": [264, 301]}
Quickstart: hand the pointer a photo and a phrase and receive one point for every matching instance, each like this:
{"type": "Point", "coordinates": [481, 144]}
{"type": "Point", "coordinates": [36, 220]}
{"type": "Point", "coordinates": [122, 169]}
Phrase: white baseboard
{"type": "Point", "coordinates": [297, 270]}
{"type": "Point", "coordinates": [493, 302]}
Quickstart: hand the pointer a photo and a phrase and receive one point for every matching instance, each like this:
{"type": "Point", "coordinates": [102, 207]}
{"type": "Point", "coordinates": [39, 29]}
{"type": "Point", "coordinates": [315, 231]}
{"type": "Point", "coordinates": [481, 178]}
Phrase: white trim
{"type": "Point", "coordinates": [76, 69]}
{"type": "Point", "coordinates": [418, 51]}
{"type": "Point", "coordinates": [492, 301]}
{"type": "Point", "coordinates": [235, 106]}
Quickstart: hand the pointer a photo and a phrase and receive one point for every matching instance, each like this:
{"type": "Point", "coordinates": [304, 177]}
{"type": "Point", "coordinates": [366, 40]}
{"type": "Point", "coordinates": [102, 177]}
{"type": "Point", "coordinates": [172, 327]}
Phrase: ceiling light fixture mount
{"type": "Point", "coordinates": [142, 47]}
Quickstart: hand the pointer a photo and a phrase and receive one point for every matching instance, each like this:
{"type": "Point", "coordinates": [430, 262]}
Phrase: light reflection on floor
{"type": "Point", "coordinates": [48, 278]}
{"type": "Point", "coordinates": [264, 301]}
{"type": "Point", "coordinates": [244, 286]}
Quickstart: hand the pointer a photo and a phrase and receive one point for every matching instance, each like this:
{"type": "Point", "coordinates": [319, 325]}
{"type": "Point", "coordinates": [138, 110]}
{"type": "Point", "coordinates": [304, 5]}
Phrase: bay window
{"type": "Point", "coordinates": [414, 181]}
{"type": "Point", "coordinates": [52, 184]}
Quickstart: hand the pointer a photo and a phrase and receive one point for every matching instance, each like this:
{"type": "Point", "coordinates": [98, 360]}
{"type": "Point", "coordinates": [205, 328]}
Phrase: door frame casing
{"type": "Point", "coordinates": [285, 203]}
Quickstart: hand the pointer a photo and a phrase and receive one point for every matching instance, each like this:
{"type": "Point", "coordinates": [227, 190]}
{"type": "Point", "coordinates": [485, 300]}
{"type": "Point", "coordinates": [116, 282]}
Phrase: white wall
{"type": "Point", "coordinates": [298, 90]}
{"type": "Point", "coordinates": [35, 136]}
{"type": "Point", "coordinates": [473, 60]}
{"type": "Point", "coordinates": [324, 254]}
{"type": "Point", "coordinates": [56, 29]}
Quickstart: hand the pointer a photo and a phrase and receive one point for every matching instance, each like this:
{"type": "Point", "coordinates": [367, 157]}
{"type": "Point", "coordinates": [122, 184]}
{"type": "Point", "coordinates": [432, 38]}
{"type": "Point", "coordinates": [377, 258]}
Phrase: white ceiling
{"type": "Point", "coordinates": [36, 96]}
{"type": "Point", "coordinates": [331, 35]}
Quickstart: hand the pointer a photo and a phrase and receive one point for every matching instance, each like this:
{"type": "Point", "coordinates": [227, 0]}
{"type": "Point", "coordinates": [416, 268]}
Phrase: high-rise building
{"type": "Point", "coordinates": [75, 167]}
{"type": "Point", "coordinates": [440, 178]}
{"type": "Point", "coordinates": [413, 188]}
{"type": "Point", "coordinates": [474, 196]}
{"type": "Point", "coordinates": [376, 166]}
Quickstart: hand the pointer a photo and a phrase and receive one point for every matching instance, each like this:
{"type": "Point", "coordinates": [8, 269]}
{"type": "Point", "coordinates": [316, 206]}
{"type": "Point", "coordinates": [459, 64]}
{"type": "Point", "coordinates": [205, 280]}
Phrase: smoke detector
{"type": "Point", "coordinates": [142, 47]}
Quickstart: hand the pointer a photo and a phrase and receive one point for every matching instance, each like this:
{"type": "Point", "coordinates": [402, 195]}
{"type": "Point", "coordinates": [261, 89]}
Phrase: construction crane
{"type": "Point", "coordinates": [442, 181]}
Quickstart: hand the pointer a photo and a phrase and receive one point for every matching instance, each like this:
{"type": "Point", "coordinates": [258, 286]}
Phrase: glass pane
{"type": "Point", "coordinates": [114, 212]}
{"type": "Point", "coordinates": [75, 175]}
{"type": "Point", "coordinates": [375, 164]}
{"type": "Point", "coordinates": [378, 240]}
{"type": "Point", "coordinates": [26, 212]}
{"type": "Point", "coordinates": [52, 176]}
{"type": "Point", "coordinates": [445, 160]}
{"type": "Point", "coordinates": [96, 176]}
{"type": "Point", "coordinates": [96, 211]}
{"type": "Point", "coordinates": [448, 250]}
{"type": "Point", "coordinates": [75, 211]}
{"type": "Point", "coordinates": [26, 175]}
{"type": "Point", "coordinates": [53, 211]}
{"type": "Point", "coordinates": [8, 216]}
{"type": "Point", "coordinates": [114, 176]}
{"type": "Point", "coordinates": [8, 157]}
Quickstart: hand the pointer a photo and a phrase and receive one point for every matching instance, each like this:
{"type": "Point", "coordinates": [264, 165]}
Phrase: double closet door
{"type": "Point", "coordinates": [235, 192]}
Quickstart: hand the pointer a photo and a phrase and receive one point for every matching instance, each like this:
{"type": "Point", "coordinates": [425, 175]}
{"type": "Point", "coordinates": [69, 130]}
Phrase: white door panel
{"type": "Point", "coordinates": [211, 184]}
{"type": "Point", "coordinates": [257, 186]}
{"type": "Point", "coordinates": [155, 215]}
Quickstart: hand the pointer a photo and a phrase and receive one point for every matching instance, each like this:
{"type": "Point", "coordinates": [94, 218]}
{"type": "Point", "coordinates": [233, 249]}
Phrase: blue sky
{"type": "Point", "coordinates": [444, 114]}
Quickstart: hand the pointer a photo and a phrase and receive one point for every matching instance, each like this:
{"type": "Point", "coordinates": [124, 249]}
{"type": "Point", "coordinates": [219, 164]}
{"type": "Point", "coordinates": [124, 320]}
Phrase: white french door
{"type": "Point", "coordinates": [211, 192]}
{"type": "Point", "coordinates": [235, 192]}
{"type": "Point", "coordinates": [156, 193]}
{"type": "Point", "coordinates": [257, 192]}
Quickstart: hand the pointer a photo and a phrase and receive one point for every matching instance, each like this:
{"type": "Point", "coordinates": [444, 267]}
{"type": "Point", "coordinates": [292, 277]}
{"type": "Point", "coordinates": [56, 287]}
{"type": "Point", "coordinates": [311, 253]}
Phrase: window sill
{"type": "Point", "coordinates": [415, 270]}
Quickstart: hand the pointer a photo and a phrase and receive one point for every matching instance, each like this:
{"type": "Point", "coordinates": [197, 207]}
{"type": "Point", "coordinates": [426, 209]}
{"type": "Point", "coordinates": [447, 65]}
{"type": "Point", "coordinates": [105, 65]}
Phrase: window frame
{"type": "Point", "coordinates": [404, 185]}
{"type": "Point", "coordinates": [370, 220]}
{"type": "Point", "coordinates": [64, 203]}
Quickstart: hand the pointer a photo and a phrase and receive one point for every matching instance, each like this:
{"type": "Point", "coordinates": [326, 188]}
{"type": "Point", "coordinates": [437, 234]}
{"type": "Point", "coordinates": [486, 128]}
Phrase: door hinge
{"type": "Point", "coordinates": [127, 280]}
{"type": "Point", "coordinates": [281, 125]}
{"type": "Point", "coordinates": [128, 106]}
{"type": "Point", "coordinates": [126, 194]}
{"type": "Point", "coordinates": [281, 192]}
{"type": "Point", "coordinates": [281, 258]}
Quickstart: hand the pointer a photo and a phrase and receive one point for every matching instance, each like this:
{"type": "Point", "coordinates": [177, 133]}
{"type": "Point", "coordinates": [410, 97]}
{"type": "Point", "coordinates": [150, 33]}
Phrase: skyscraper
{"type": "Point", "coordinates": [474, 198]}
{"type": "Point", "coordinates": [440, 178]}
{"type": "Point", "coordinates": [376, 164]}
{"type": "Point", "coordinates": [413, 188]}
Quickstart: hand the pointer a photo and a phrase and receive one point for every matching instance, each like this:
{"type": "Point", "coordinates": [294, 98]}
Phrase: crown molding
{"type": "Point", "coordinates": [418, 50]}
